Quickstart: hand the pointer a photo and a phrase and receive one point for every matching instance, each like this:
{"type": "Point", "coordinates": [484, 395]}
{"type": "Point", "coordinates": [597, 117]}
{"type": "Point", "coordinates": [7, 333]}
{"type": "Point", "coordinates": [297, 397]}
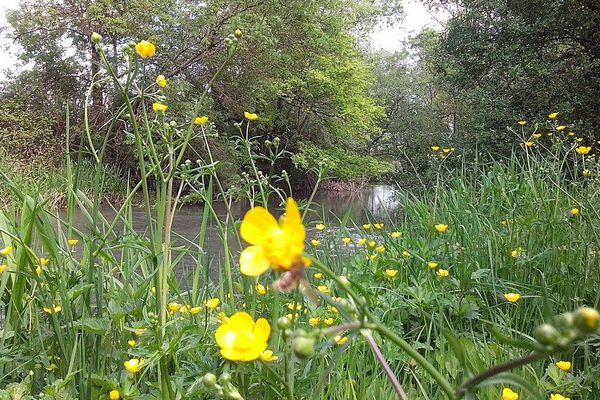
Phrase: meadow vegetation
{"type": "Point", "coordinates": [485, 287]}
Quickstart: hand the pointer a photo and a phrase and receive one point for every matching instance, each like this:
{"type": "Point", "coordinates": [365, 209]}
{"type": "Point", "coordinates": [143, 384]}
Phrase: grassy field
{"type": "Point", "coordinates": [475, 292]}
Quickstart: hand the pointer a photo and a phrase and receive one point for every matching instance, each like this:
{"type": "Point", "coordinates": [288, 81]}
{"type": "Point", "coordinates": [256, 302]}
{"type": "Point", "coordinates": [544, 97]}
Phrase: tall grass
{"type": "Point", "coordinates": [362, 331]}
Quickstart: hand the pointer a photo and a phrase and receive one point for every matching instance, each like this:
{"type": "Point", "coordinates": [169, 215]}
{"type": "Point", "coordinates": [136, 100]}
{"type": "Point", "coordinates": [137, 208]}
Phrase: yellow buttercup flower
{"type": "Point", "coordinates": [161, 81]}
{"type": "Point", "coordinates": [512, 297]}
{"type": "Point", "coordinates": [195, 310]}
{"type": "Point", "coordinates": [553, 115]}
{"type": "Point", "coordinates": [560, 128]}
{"type": "Point", "coordinates": [378, 226]}
{"type": "Point", "coordinates": [6, 251]}
{"type": "Point", "coordinates": [432, 264]}
{"type": "Point", "coordinates": [442, 273]}
{"type": "Point", "coordinates": [435, 148]}
{"type": "Point", "coordinates": [201, 120]}
{"type": "Point", "coordinates": [134, 365]}
{"type": "Point", "coordinates": [318, 275]}
{"type": "Point", "coordinates": [39, 270]}
{"type": "Point", "coordinates": [380, 249]}
{"type": "Point", "coordinates": [372, 257]}
{"type": "Point", "coordinates": [212, 303]}
{"type": "Point", "coordinates": [446, 150]}
{"type": "Point", "coordinates": [586, 173]}
{"type": "Point", "coordinates": [367, 226]}
{"type": "Point", "coordinates": [276, 245]}
{"type": "Point", "coordinates": [571, 133]}
{"type": "Point", "coordinates": [536, 135]}
{"type": "Point", "coordinates": [328, 321]}
{"type": "Point", "coordinates": [52, 310]}
{"type": "Point", "coordinates": [361, 242]}
{"type": "Point", "coordinates": [372, 244]}
{"type": "Point", "coordinates": [564, 365]}
{"type": "Point", "coordinates": [583, 150]}
{"type": "Point", "coordinates": [267, 356]}
{"type": "Point", "coordinates": [529, 144]}
{"type": "Point", "coordinates": [250, 116]}
{"type": "Point", "coordinates": [242, 339]}
{"type": "Point", "coordinates": [323, 289]}
{"type": "Point", "coordinates": [518, 252]}
{"type": "Point", "coordinates": [405, 253]}
{"type": "Point", "coordinates": [260, 289]}
{"type": "Point", "coordinates": [145, 49]}
{"type": "Point", "coordinates": [395, 234]}
{"type": "Point", "coordinates": [3, 267]}
{"type": "Point", "coordinates": [294, 306]}
{"type": "Point", "coordinates": [508, 394]}
{"type": "Point", "coordinates": [72, 242]}
{"type": "Point", "coordinates": [314, 321]}
{"type": "Point", "coordinates": [575, 211]}
{"type": "Point", "coordinates": [441, 228]}
{"type": "Point", "coordinates": [315, 243]}
{"type": "Point", "coordinates": [131, 343]}
{"type": "Point", "coordinates": [319, 227]}
{"type": "Point", "coordinates": [346, 240]}
{"type": "Point", "coordinates": [556, 396]}
{"type": "Point", "coordinates": [114, 395]}
{"type": "Point", "coordinates": [340, 340]}
{"type": "Point", "coordinates": [174, 306]}
{"type": "Point", "coordinates": [43, 261]}
{"type": "Point", "coordinates": [522, 122]}
{"type": "Point", "coordinates": [391, 273]}
{"type": "Point", "coordinates": [159, 107]}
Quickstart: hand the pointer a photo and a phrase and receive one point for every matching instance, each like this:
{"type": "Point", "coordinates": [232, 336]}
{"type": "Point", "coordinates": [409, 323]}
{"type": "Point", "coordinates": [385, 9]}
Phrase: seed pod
{"type": "Point", "coordinates": [546, 334]}
{"type": "Point", "coordinates": [587, 320]}
{"type": "Point", "coordinates": [304, 347]}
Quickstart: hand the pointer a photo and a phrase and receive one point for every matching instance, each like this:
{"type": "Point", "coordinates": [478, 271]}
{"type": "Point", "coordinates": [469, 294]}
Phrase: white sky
{"type": "Point", "coordinates": [416, 18]}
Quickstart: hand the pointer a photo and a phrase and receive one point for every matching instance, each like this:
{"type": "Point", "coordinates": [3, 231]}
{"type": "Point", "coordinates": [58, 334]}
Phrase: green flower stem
{"type": "Point", "coordinates": [384, 331]}
{"type": "Point", "coordinates": [477, 379]}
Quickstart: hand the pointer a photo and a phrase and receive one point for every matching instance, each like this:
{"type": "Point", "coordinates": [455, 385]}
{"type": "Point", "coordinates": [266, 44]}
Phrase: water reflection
{"type": "Point", "coordinates": [373, 203]}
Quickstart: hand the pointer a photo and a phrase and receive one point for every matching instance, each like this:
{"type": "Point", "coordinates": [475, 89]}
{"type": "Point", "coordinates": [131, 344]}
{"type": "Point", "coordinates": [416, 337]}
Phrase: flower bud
{"type": "Point", "coordinates": [96, 38]}
{"type": "Point", "coordinates": [238, 33]}
{"type": "Point", "coordinates": [304, 347]}
{"type": "Point", "coordinates": [225, 378]}
{"type": "Point", "coordinates": [587, 320]}
{"type": "Point", "coordinates": [284, 323]}
{"type": "Point", "coordinates": [546, 334]}
{"type": "Point", "coordinates": [209, 380]}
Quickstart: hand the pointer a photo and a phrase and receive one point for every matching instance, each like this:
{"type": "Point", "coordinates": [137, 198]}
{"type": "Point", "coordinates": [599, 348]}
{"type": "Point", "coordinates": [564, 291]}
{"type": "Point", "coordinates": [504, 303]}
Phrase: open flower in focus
{"type": "Point", "coordinates": [346, 240]}
{"type": "Point", "coordinates": [367, 226]}
{"type": "Point", "coordinates": [556, 396]}
{"type": "Point", "coordinates": [114, 395]}
{"type": "Point", "coordinates": [522, 122]}
{"type": "Point", "coordinates": [508, 394]}
{"type": "Point", "coordinates": [242, 339]}
{"type": "Point", "coordinates": [553, 115]}
{"type": "Point", "coordinates": [314, 321]}
{"type": "Point", "coordinates": [145, 49]}
{"type": "Point", "coordinates": [435, 148]}
{"type": "Point", "coordinates": [319, 227]}
{"type": "Point", "coordinates": [72, 242]}
{"type": "Point", "coordinates": [432, 264]}
{"type": "Point", "coordinates": [575, 211]}
{"type": "Point", "coordinates": [378, 226]}
{"type": "Point", "coordinates": [260, 289]}
{"type": "Point", "coordinates": [318, 275]}
{"type": "Point", "coordinates": [276, 245]}
{"type": "Point", "coordinates": [315, 243]}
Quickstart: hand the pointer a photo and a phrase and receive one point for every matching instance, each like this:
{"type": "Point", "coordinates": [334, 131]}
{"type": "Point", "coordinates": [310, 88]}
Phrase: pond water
{"type": "Point", "coordinates": [372, 203]}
